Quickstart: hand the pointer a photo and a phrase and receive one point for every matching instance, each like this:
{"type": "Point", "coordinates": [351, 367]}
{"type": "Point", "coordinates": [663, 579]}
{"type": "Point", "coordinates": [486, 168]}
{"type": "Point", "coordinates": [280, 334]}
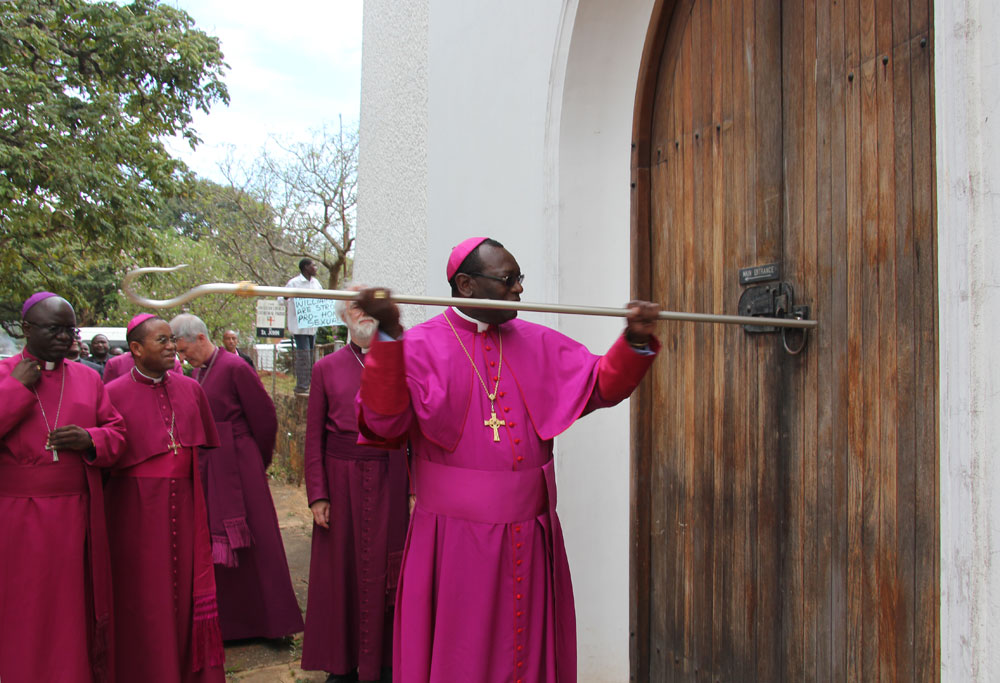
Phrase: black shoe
{"type": "Point", "coordinates": [342, 678]}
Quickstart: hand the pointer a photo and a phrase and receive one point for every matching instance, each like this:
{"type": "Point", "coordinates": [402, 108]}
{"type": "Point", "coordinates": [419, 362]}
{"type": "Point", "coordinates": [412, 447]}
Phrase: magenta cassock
{"type": "Point", "coordinates": [485, 592]}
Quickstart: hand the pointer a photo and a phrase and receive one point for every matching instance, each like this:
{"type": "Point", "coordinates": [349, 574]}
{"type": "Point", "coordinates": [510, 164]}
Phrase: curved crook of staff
{"type": "Point", "coordinates": [250, 289]}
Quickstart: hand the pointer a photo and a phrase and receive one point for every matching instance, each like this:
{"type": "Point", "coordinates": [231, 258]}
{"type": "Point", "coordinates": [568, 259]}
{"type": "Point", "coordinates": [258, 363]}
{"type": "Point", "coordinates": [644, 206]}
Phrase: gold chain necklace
{"type": "Point", "coordinates": [45, 419]}
{"type": "Point", "coordinates": [492, 423]}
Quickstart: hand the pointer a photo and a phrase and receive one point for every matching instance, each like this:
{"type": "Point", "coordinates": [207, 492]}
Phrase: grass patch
{"type": "Point", "coordinates": [283, 384]}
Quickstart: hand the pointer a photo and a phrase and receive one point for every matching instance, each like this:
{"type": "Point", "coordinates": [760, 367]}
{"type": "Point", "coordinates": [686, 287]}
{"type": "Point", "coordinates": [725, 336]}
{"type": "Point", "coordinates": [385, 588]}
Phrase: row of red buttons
{"type": "Point", "coordinates": [173, 533]}
{"type": "Point", "coordinates": [519, 636]}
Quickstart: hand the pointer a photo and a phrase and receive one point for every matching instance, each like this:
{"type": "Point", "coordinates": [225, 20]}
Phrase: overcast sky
{"type": "Point", "coordinates": [293, 67]}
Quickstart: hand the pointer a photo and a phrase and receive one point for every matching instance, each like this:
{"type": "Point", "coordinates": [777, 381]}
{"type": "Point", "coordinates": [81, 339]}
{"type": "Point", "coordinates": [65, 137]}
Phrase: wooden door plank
{"type": "Point", "coordinates": [805, 366]}
{"type": "Point", "coordinates": [700, 446]}
{"type": "Point", "coordinates": [920, 18]}
{"type": "Point", "coordinates": [744, 655]}
{"type": "Point", "coordinates": [791, 448]}
{"type": "Point", "coordinates": [904, 351]}
{"type": "Point", "coordinates": [687, 353]}
{"type": "Point", "coordinates": [885, 258]}
{"type": "Point", "coordinates": [660, 494]}
{"type": "Point", "coordinates": [855, 296]}
{"type": "Point", "coordinates": [752, 357]}
{"type": "Point", "coordinates": [680, 481]}
{"type": "Point", "coordinates": [836, 342]}
{"type": "Point", "coordinates": [640, 479]}
{"type": "Point", "coordinates": [826, 305]}
{"type": "Point", "coordinates": [770, 465]}
{"type": "Point", "coordinates": [722, 536]}
{"type": "Point", "coordinates": [927, 628]}
{"type": "Point", "coordinates": [869, 334]}
{"type": "Point", "coordinates": [662, 554]}
{"type": "Point", "coordinates": [665, 556]}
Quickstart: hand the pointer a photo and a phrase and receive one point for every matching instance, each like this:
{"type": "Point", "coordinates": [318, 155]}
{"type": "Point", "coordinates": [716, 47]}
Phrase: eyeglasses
{"type": "Point", "coordinates": [510, 281]}
{"type": "Point", "coordinates": [55, 330]}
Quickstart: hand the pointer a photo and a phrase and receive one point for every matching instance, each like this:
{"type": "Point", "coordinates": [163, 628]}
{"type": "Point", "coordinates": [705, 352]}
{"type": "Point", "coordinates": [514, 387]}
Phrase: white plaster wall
{"type": "Point", "coordinates": [594, 80]}
{"type": "Point", "coordinates": [967, 100]}
{"type": "Point", "coordinates": [489, 87]}
{"type": "Point", "coordinates": [391, 247]}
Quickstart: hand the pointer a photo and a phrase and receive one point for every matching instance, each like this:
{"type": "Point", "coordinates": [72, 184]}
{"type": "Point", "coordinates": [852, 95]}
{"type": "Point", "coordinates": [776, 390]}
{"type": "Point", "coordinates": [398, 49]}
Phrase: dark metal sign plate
{"type": "Point", "coordinates": [771, 271]}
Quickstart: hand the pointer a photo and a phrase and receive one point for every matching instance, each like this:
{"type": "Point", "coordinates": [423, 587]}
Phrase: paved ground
{"type": "Point", "coordinates": [261, 661]}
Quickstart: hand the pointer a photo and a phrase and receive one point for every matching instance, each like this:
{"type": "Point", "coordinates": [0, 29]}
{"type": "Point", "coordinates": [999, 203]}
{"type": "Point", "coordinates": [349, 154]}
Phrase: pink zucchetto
{"type": "Point", "coordinates": [34, 299]}
{"type": "Point", "coordinates": [459, 253]}
{"type": "Point", "coordinates": [138, 320]}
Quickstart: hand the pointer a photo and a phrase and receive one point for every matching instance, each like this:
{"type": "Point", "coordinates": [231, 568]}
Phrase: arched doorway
{"type": "Point", "coordinates": [785, 507]}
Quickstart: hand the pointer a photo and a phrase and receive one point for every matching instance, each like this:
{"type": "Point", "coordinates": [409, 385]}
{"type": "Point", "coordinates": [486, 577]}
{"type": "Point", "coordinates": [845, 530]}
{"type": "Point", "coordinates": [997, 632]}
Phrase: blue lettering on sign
{"type": "Point", "coordinates": [315, 312]}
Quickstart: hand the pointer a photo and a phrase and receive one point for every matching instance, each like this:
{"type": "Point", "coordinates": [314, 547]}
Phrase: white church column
{"type": "Point", "coordinates": [967, 102]}
{"type": "Point", "coordinates": [392, 177]}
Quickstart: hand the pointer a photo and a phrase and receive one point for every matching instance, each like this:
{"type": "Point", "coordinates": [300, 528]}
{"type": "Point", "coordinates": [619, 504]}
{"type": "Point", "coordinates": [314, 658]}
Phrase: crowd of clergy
{"type": "Point", "coordinates": [139, 532]}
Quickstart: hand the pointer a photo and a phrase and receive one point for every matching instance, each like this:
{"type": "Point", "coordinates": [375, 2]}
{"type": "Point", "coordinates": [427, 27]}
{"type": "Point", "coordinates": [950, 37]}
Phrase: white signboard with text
{"type": "Point", "coordinates": [315, 312]}
{"type": "Point", "coordinates": [270, 318]}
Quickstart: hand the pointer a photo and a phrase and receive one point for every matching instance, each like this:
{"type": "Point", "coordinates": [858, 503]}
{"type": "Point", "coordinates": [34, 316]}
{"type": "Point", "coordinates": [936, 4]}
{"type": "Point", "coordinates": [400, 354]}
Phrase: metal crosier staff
{"type": "Point", "coordinates": [250, 289]}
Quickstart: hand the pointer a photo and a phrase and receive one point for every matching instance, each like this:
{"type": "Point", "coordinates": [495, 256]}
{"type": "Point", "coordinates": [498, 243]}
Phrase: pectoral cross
{"type": "Point", "coordinates": [55, 453]}
{"type": "Point", "coordinates": [173, 445]}
{"type": "Point", "coordinates": [494, 424]}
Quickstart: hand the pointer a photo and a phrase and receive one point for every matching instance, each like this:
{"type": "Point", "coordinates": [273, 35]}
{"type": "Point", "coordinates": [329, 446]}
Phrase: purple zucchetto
{"type": "Point", "coordinates": [459, 253]}
{"type": "Point", "coordinates": [34, 299]}
{"type": "Point", "coordinates": [138, 320]}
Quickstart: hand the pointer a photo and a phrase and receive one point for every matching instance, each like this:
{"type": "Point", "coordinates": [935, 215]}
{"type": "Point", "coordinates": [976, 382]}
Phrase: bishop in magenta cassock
{"type": "Point", "coordinates": [166, 615]}
{"type": "Point", "coordinates": [484, 594]}
{"type": "Point", "coordinates": [252, 581]}
{"type": "Point", "coordinates": [57, 429]}
{"type": "Point", "coordinates": [358, 497]}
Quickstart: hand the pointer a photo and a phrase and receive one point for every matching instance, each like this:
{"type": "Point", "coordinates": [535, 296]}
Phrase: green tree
{"type": "Point", "coordinates": [219, 311]}
{"type": "Point", "coordinates": [203, 228]}
{"type": "Point", "coordinates": [88, 91]}
{"type": "Point", "coordinates": [218, 214]}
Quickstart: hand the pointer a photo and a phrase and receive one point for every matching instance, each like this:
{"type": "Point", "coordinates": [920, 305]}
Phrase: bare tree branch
{"type": "Point", "coordinates": [310, 189]}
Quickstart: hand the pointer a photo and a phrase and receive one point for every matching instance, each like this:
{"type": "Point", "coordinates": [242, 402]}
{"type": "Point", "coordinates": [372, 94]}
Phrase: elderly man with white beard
{"type": "Point", "coordinates": [358, 497]}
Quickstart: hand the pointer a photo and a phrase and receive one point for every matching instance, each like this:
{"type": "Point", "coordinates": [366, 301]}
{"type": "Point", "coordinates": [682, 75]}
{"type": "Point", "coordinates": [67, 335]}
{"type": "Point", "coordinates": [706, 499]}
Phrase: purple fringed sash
{"type": "Point", "coordinates": [206, 636]}
{"type": "Point", "coordinates": [229, 528]}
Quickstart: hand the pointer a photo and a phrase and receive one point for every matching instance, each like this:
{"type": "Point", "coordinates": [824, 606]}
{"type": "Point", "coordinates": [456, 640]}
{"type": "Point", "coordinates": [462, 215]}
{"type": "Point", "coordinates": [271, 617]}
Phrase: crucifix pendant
{"type": "Point", "coordinates": [173, 445]}
{"type": "Point", "coordinates": [55, 453]}
{"type": "Point", "coordinates": [494, 424]}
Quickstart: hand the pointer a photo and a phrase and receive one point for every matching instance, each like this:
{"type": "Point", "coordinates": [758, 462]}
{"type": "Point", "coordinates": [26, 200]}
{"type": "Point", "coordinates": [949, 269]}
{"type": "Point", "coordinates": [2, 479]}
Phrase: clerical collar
{"type": "Point", "coordinates": [45, 364]}
{"type": "Point", "coordinates": [142, 378]}
{"type": "Point", "coordinates": [480, 325]}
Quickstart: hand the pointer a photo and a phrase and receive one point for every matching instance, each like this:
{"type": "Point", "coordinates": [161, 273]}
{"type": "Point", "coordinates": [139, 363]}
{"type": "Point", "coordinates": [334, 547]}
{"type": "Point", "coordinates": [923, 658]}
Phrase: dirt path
{"type": "Point", "coordinates": [262, 661]}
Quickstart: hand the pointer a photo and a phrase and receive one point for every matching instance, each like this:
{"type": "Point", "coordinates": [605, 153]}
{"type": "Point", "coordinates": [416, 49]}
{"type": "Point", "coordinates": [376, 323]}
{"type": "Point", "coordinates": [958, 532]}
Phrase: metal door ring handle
{"type": "Point", "coordinates": [784, 341]}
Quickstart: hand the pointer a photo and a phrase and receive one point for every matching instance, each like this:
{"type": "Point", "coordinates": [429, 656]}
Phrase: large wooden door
{"type": "Point", "coordinates": [785, 507]}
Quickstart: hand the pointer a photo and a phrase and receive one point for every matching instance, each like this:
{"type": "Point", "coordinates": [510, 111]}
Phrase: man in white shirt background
{"type": "Point", "coordinates": [304, 338]}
